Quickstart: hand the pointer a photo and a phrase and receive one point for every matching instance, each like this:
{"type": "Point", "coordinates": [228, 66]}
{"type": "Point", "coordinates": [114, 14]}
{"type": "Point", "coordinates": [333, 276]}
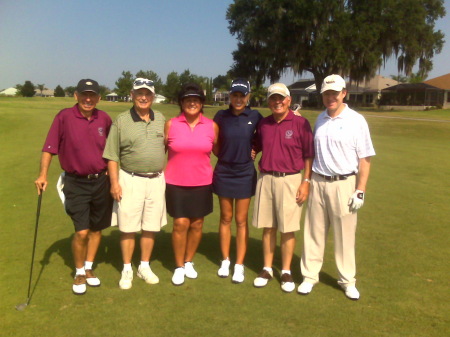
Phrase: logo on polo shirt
{"type": "Point", "coordinates": [100, 131]}
{"type": "Point", "coordinates": [289, 134]}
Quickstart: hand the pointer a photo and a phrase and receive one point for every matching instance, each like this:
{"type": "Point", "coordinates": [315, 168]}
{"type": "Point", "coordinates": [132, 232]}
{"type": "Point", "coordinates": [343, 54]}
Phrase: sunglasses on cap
{"type": "Point", "coordinates": [145, 82]}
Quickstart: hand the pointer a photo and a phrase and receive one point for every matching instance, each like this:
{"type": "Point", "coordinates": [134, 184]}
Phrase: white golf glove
{"type": "Point", "coordinates": [356, 200]}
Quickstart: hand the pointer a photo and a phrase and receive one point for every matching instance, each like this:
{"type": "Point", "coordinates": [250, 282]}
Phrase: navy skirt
{"type": "Point", "coordinates": [237, 181]}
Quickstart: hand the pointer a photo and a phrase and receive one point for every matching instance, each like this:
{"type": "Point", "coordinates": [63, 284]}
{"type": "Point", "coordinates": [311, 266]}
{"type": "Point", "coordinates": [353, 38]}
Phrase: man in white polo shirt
{"type": "Point", "coordinates": [340, 172]}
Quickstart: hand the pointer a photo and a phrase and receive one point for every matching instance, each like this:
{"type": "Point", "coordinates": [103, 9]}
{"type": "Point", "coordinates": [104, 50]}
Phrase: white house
{"type": "Point", "coordinates": [9, 92]}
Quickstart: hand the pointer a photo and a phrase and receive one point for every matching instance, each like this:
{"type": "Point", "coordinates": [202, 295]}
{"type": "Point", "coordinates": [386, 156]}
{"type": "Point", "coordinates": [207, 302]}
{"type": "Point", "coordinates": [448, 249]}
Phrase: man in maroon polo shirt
{"type": "Point", "coordinates": [286, 142]}
{"type": "Point", "coordinates": [78, 136]}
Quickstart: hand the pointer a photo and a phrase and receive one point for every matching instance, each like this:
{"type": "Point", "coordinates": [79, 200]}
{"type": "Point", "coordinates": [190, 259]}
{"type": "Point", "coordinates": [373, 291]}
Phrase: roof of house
{"type": "Point", "coordinates": [9, 92]}
{"type": "Point", "coordinates": [411, 87]}
{"type": "Point", "coordinates": [302, 84]}
{"type": "Point", "coordinates": [441, 82]}
{"type": "Point", "coordinates": [378, 82]}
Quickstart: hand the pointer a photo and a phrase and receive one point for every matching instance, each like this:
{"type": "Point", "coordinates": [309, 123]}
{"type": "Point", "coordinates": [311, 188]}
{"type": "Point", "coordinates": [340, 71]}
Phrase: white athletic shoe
{"type": "Point", "coordinates": [352, 293]}
{"type": "Point", "coordinates": [91, 279]}
{"type": "Point", "coordinates": [147, 275]}
{"type": "Point", "coordinates": [79, 284]}
{"type": "Point", "coordinates": [305, 288]}
{"type": "Point", "coordinates": [238, 275]}
{"type": "Point", "coordinates": [178, 276]}
{"type": "Point", "coordinates": [224, 269]}
{"type": "Point", "coordinates": [287, 283]}
{"type": "Point", "coordinates": [126, 281]}
{"type": "Point", "coordinates": [189, 270]}
{"type": "Point", "coordinates": [263, 278]}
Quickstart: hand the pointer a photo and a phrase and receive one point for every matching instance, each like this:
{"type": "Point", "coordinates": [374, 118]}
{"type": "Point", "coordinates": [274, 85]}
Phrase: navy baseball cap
{"type": "Point", "coordinates": [88, 85]}
{"type": "Point", "coordinates": [240, 85]}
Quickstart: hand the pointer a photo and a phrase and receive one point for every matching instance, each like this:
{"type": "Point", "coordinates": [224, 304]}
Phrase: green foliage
{"type": "Point", "coordinates": [124, 84]}
{"type": "Point", "coordinates": [222, 82]}
{"type": "Point", "coordinates": [104, 90]}
{"type": "Point", "coordinates": [41, 88]}
{"type": "Point", "coordinates": [59, 91]}
{"type": "Point", "coordinates": [351, 38]}
{"type": "Point", "coordinates": [27, 90]}
{"type": "Point", "coordinates": [172, 87]}
{"type": "Point", "coordinates": [70, 90]}
{"type": "Point", "coordinates": [151, 75]}
{"type": "Point", "coordinates": [209, 91]}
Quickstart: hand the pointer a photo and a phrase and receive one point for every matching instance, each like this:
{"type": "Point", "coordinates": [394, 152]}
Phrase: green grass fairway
{"type": "Point", "coordinates": [403, 250]}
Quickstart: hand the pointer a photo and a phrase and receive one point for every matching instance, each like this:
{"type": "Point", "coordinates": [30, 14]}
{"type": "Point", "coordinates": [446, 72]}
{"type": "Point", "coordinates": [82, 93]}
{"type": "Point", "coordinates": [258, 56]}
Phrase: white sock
{"type": "Point", "coordinates": [269, 269]}
{"type": "Point", "coordinates": [127, 267]}
{"type": "Point", "coordinates": [88, 264]}
{"type": "Point", "coordinates": [80, 271]}
{"type": "Point", "coordinates": [285, 272]}
{"type": "Point", "coordinates": [145, 264]}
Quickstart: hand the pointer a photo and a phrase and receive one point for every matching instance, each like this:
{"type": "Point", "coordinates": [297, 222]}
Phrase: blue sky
{"type": "Point", "coordinates": [59, 42]}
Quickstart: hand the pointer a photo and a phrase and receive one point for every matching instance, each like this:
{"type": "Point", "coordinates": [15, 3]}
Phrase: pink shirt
{"type": "Point", "coordinates": [188, 162]}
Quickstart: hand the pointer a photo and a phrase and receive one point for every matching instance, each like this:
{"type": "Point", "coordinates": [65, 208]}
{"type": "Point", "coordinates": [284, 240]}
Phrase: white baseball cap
{"type": "Point", "coordinates": [333, 82]}
{"type": "Point", "coordinates": [278, 88]}
{"type": "Point", "coordinates": [143, 83]}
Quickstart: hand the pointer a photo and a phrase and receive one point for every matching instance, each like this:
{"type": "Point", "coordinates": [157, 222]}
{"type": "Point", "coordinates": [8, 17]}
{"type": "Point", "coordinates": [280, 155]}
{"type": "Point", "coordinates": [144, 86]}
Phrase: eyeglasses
{"type": "Point", "coordinates": [143, 82]}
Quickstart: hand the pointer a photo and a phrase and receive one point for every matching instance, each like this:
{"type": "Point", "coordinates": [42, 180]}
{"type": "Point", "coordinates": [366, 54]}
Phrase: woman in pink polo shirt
{"type": "Point", "coordinates": [190, 138]}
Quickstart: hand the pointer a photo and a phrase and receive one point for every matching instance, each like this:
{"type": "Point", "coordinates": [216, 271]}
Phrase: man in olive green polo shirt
{"type": "Point", "coordinates": [136, 142]}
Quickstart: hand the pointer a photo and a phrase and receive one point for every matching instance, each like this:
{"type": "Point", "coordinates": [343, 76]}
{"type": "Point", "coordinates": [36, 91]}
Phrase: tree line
{"type": "Point", "coordinates": [124, 84]}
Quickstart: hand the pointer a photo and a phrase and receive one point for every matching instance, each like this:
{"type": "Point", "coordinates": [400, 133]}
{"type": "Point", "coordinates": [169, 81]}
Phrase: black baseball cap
{"type": "Point", "coordinates": [88, 85]}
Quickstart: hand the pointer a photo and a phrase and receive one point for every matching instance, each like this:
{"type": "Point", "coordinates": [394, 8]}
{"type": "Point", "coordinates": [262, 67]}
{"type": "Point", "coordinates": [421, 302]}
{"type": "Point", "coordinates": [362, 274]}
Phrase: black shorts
{"type": "Point", "coordinates": [189, 202]}
{"type": "Point", "coordinates": [88, 202]}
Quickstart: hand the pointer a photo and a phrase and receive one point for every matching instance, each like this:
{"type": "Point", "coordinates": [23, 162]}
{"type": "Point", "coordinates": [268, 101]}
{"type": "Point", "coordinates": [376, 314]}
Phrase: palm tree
{"type": "Point", "coordinates": [41, 88]}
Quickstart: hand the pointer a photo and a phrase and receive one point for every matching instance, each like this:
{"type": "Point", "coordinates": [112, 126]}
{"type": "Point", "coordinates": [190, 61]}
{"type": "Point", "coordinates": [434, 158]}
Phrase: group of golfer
{"type": "Point", "coordinates": [115, 172]}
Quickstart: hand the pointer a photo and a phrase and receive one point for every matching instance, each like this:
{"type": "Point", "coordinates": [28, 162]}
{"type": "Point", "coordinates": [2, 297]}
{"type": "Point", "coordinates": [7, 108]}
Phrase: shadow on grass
{"type": "Point", "coordinates": [109, 253]}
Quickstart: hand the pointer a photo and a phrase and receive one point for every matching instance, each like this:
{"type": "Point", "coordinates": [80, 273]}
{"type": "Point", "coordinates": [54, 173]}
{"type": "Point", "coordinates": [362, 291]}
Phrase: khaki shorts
{"type": "Point", "coordinates": [143, 204]}
{"type": "Point", "coordinates": [275, 205]}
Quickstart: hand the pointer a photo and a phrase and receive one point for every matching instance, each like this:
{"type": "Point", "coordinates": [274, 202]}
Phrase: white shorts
{"type": "Point", "coordinates": [143, 203]}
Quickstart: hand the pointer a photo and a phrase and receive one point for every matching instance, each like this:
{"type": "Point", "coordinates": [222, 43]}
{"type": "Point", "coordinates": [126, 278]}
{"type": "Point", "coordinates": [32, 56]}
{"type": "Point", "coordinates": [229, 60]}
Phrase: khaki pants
{"type": "Point", "coordinates": [328, 205]}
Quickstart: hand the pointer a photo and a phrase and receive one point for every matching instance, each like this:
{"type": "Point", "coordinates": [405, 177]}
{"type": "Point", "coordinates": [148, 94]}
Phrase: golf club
{"type": "Point", "coordinates": [22, 306]}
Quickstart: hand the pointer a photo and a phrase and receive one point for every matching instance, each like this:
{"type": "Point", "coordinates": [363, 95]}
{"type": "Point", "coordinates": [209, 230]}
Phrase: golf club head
{"type": "Point", "coordinates": [21, 306]}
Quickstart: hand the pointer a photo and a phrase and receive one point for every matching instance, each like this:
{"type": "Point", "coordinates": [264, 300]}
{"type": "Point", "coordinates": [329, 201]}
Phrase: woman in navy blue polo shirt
{"type": "Point", "coordinates": [234, 179]}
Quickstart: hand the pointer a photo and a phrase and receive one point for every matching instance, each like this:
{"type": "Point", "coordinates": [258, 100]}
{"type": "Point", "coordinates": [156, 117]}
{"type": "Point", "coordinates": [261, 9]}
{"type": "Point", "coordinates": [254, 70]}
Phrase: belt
{"type": "Point", "coordinates": [280, 174]}
{"type": "Point", "coordinates": [144, 175]}
{"type": "Point", "coordinates": [336, 178]}
{"type": "Point", "coordinates": [89, 176]}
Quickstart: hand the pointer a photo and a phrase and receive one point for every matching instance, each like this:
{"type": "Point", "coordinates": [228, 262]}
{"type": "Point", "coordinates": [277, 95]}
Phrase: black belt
{"type": "Point", "coordinates": [336, 178]}
{"type": "Point", "coordinates": [89, 176]}
{"type": "Point", "coordinates": [144, 175]}
{"type": "Point", "coordinates": [280, 174]}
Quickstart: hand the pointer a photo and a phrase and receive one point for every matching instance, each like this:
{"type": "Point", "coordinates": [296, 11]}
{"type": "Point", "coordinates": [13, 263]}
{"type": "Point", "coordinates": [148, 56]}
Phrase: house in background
{"type": "Point", "coordinates": [112, 97]}
{"type": "Point", "coordinates": [411, 96]}
{"type": "Point", "coordinates": [303, 92]}
{"type": "Point", "coordinates": [9, 92]}
{"type": "Point", "coordinates": [443, 83]}
{"type": "Point", "coordinates": [366, 93]}
{"type": "Point", "coordinates": [221, 97]}
{"type": "Point", "coordinates": [44, 93]}
{"type": "Point", "coordinates": [433, 93]}
{"type": "Point", "coordinates": [159, 98]}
